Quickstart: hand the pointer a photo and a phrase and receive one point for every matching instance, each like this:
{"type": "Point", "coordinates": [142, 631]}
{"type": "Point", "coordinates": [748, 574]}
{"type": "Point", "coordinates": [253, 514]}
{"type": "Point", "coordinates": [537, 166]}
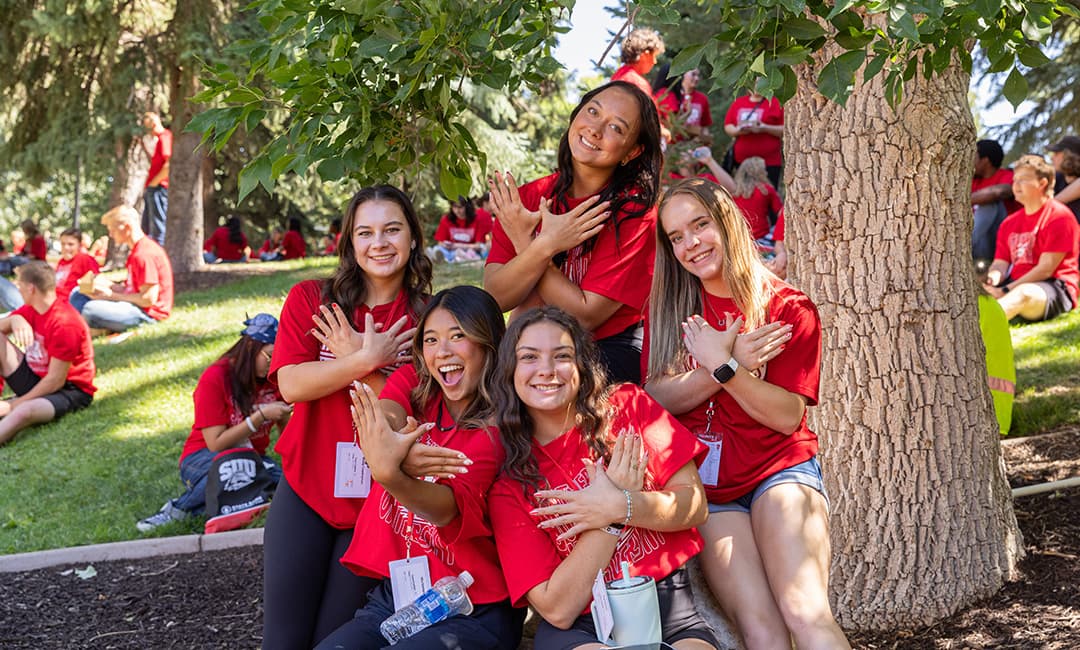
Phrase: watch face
{"type": "Point", "coordinates": [723, 373]}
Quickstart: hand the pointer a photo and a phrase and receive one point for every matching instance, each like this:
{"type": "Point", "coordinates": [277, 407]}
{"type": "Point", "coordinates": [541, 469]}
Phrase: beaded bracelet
{"type": "Point", "coordinates": [250, 424]}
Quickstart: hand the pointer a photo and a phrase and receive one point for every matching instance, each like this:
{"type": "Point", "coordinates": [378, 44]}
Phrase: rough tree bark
{"type": "Point", "coordinates": [880, 223]}
{"type": "Point", "coordinates": [132, 164]}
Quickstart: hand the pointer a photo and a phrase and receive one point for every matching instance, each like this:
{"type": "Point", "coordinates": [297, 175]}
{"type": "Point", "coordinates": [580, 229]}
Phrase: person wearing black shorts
{"type": "Point", "coordinates": [50, 366]}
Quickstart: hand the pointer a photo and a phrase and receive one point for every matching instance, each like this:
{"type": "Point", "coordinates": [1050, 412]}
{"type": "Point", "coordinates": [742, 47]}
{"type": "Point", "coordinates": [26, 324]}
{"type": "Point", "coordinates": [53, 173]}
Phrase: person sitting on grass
{"type": "Point", "coordinates": [234, 407]}
{"type": "Point", "coordinates": [146, 296]}
{"type": "Point", "coordinates": [1035, 273]}
{"type": "Point", "coordinates": [73, 264]}
{"type": "Point", "coordinates": [54, 372]}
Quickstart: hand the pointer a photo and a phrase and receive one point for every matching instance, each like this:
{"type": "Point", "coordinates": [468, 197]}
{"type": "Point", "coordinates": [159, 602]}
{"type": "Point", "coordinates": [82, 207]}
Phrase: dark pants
{"type": "Point", "coordinates": [155, 207]}
{"type": "Point", "coordinates": [489, 627]}
{"type": "Point", "coordinates": [620, 354]}
{"type": "Point", "coordinates": [988, 218]}
{"type": "Point", "coordinates": [307, 593]}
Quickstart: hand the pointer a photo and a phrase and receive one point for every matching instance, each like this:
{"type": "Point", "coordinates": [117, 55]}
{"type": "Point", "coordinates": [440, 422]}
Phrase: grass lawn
{"type": "Point", "coordinates": [89, 477]}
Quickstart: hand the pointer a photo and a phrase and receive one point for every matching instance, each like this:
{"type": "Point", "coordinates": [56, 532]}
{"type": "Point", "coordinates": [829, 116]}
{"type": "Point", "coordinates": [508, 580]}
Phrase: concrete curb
{"type": "Point", "coordinates": [133, 550]}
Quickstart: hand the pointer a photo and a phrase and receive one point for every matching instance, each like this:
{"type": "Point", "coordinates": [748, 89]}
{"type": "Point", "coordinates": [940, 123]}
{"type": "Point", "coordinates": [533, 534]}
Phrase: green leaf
{"type": "Point", "coordinates": [453, 184]}
{"type": "Point", "coordinates": [256, 172]}
{"type": "Point", "coordinates": [903, 23]}
{"type": "Point", "coordinates": [1032, 56]}
{"type": "Point", "coordinates": [802, 29]}
{"type": "Point", "coordinates": [330, 169]}
{"type": "Point", "coordinates": [838, 8]}
{"type": "Point", "coordinates": [758, 65]}
{"type": "Point", "coordinates": [1016, 88]}
{"type": "Point", "coordinates": [687, 59]}
{"type": "Point", "coordinates": [987, 8]}
{"type": "Point", "coordinates": [790, 56]}
{"type": "Point", "coordinates": [874, 67]}
{"type": "Point", "coordinates": [838, 75]}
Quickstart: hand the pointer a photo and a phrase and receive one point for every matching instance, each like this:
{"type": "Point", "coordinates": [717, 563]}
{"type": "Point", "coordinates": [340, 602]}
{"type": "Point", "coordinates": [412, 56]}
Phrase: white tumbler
{"type": "Point", "coordinates": [634, 609]}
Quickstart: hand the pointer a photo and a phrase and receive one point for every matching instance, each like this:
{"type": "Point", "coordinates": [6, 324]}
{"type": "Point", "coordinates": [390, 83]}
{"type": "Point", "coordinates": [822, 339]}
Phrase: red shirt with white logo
{"type": "Point", "coordinates": [68, 273]}
{"type": "Point", "coordinates": [214, 406]}
{"type": "Point", "coordinates": [693, 110]}
{"type": "Point", "coordinates": [1023, 238]}
{"type": "Point", "coordinates": [221, 245]}
{"type": "Point", "coordinates": [60, 333]}
{"type": "Point", "coordinates": [308, 445]}
{"type": "Point", "coordinates": [148, 264]}
{"type": "Point", "coordinates": [454, 231]}
{"type": "Point", "coordinates": [466, 543]}
{"type": "Point", "coordinates": [530, 554]}
{"type": "Point", "coordinates": [619, 270]}
{"type": "Point", "coordinates": [750, 451]}
{"type": "Point", "coordinates": [763, 145]}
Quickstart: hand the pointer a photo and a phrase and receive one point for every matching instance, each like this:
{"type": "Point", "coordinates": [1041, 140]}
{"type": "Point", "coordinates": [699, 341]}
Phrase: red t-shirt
{"type": "Point", "coordinates": [703, 174]}
{"type": "Point", "coordinates": [450, 230]}
{"type": "Point", "coordinates": [530, 554]}
{"type": "Point", "coordinates": [68, 273]}
{"type": "Point", "coordinates": [619, 271]}
{"type": "Point", "coordinates": [267, 247]}
{"type": "Point", "coordinates": [466, 543]}
{"type": "Point", "coordinates": [214, 406]}
{"type": "Point", "coordinates": [694, 110]}
{"type": "Point", "coordinates": [628, 74]}
{"type": "Point", "coordinates": [752, 452]}
{"type": "Point", "coordinates": [293, 246]}
{"type": "Point", "coordinates": [37, 248]}
{"type": "Point", "coordinates": [1023, 237]}
{"type": "Point", "coordinates": [161, 155]}
{"type": "Point", "coordinates": [61, 333]}
{"type": "Point", "coordinates": [148, 264]}
{"type": "Point", "coordinates": [219, 244]}
{"type": "Point", "coordinates": [778, 231]}
{"type": "Point", "coordinates": [1003, 176]}
{"type": "Point", "coordinates": [756, 208]}
{"type": "Point", "coordinates": [763, 145]}
{"type": "Point", "coordinates": [308, 445]}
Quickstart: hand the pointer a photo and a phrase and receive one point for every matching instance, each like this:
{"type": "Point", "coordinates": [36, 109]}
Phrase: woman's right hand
{"type": "Point", "coordinates": [274, 411]}
{"type": "Point", "coordinates": [626, 469]}
{"type": "Point", "coordinates": [561, 232]}
{"type": "Point", "coordinates": [387, 347]}
{"type": "Point", "coordinates": [754, 349]}
{"type": "Point", "coordinates": [517, 221]}
{"type": "Point", "coordinates": [431, 460]}
{"type": "Point", "coordinates": [332, 329]}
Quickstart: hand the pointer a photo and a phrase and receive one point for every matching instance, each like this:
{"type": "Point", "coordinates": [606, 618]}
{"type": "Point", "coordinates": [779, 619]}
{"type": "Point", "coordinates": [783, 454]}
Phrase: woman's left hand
{"type": "Point", "coordinates": [626, 469]}
{"type": "Point", "coordinates": [384, 449]}
{"type": "Point", "coordinates": [598, 505]}
{"type": "Point", "coordinates": [333, 330]}
{"type": "Point", "coordinates": [708, 346]}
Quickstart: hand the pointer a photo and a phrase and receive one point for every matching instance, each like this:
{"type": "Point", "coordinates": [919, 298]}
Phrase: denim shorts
{"type": "Point", "coordinates": [806, 473]}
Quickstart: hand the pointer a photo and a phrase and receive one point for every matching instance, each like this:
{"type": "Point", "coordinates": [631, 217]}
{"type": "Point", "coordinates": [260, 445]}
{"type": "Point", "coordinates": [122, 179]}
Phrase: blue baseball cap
{"type": "Point", "coordinates": [261, 327]}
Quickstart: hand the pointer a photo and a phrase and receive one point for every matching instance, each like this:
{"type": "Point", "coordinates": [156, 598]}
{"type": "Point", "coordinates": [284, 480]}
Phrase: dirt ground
{"type": "Point", "coordinates": [212, 600]}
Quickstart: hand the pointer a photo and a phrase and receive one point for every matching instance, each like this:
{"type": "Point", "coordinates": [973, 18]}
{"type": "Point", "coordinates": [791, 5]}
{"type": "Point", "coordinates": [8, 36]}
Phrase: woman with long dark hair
{"type": "Point", "coordinates": [581, 239]}
{"type": "Point", "coordinates": [227, 244]}
{"type": "Point", "coordinates": [744, 391]}
{"type": "Point", "coordinates": [463, 234]}
{"type": "Point", "coordinates": [357, 324]}
{"type": "Point", "coordinates": [594, 477]}
{"type": "Point", "coordinates": [235, 406]}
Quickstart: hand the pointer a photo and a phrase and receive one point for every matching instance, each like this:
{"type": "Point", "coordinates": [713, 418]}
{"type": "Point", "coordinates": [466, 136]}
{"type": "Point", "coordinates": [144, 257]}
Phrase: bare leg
{"type": "Point", "coordinates": [27, 413]}
{"type": "Point", "coordinates": [1027, 301]}
{"type": "Point", "coordinates": [10, 357]}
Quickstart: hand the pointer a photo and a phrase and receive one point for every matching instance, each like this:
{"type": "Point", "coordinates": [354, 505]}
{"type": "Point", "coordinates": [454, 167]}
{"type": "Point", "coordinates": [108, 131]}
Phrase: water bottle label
{"type": "Point", "coordinates": [433, 607]}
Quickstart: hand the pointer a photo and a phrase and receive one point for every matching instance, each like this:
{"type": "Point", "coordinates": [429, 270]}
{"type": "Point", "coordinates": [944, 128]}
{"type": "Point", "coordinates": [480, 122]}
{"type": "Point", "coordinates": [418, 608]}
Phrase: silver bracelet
{"type": "Point", "coordinates": [251, 425]}
{"type": "Point", "coordinates": [612, 530]}
{"type": "Point", "coordinates": [629, 507]}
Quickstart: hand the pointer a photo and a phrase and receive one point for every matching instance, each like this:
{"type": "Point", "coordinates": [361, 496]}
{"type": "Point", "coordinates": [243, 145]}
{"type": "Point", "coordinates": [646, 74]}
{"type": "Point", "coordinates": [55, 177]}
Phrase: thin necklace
{"type": "Point", "coordinates": [439, 419]}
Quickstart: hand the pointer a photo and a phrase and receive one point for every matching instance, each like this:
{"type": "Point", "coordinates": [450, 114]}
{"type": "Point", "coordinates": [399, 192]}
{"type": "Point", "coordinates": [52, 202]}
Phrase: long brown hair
{"type": "Point", "coordinates": [677, 294]}
{"type": "Point", "coordinates": [348, 286]}
{"type": "Point", "coordinates": [481, 319]}
{"type": "Point", "coordinates": [243, 379]}
{"type": "Point", "coordinates": [512, 417]}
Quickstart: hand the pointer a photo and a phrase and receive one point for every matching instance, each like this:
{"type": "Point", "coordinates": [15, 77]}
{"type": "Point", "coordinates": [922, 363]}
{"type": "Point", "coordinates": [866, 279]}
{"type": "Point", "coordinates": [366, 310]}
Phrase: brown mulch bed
{"type": "Point", "coordinates": [212, 600]}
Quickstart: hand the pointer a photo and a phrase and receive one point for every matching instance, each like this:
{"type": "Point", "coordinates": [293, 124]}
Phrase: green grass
{"type": "Point", "coordinates": [89, 477]}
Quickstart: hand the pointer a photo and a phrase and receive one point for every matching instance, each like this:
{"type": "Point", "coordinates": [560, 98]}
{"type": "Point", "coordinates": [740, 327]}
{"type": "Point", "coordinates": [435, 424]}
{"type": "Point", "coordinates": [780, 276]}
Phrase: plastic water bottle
{"type": "Point", "coordinates": [446, 598]}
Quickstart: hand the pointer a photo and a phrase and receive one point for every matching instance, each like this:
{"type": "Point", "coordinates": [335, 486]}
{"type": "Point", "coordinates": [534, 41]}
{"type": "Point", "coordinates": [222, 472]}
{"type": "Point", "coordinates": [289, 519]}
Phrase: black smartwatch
{"type": "Point", "coordinates": [726, 371]}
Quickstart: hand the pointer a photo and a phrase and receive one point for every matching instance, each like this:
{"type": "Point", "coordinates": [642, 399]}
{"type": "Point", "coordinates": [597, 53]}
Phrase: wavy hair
{"type": "Point", "coordinates": [638, 181]}
{"type": "Point", "coordinates": [512, 417]}
{"type": "Point", "coordinates": [750, 176]}
{"type": "Point", "coordinates": [349, 285]}
{"type": "Point", "coordinates": [482, 322]}
{"type": "Point", "coordinates": [242, 376]}
{"type": "Point", "coordinates": [677, 294]}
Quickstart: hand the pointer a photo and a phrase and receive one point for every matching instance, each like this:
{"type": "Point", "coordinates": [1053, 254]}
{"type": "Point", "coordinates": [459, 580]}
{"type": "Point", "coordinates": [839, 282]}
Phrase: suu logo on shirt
{"type": "Point", "coordinates": [236, 474]}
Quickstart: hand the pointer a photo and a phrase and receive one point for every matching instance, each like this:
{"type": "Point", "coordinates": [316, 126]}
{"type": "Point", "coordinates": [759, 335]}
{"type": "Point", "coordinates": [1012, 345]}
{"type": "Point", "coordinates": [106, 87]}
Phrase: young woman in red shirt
{"type": "Point", "coordinates": [352, 325]}
{"type": "Point", "coordinates": [443, 520]}
{"type": "Point", "coordinates": [744, 391]}
{"type": "Point", "coordinates": [581, 239]}
{"type": "Point", "coordinates": [594, 477]}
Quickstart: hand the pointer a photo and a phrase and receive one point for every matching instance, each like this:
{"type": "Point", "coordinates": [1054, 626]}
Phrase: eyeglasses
{"type": "Point", "coordinates": [266, 354]}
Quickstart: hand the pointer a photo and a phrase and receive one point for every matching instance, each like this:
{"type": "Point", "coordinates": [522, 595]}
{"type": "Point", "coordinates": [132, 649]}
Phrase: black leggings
{"type": "Point", "coordinates": [307, 593]}
{"type": "Point", "coordinates": [620, 354]}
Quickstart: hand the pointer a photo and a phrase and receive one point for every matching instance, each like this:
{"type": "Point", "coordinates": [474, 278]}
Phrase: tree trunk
{"type": "Point", "coordinates": [132, 165]}
{"type": "Point", "coordinates": [210, 207]}
{"type": "Point", "coordinates": [879, 224]}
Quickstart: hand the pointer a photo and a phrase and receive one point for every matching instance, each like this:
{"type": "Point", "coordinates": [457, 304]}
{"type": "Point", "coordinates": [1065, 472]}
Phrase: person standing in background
{"type": "Point", "coordinates": [156, 197]}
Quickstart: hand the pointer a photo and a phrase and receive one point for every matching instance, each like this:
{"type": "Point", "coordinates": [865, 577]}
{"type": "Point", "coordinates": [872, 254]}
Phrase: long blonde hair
{"type": "Point", "coordinates": [677, 294]}
{"type": "Point", "coordinates": [750, 176]}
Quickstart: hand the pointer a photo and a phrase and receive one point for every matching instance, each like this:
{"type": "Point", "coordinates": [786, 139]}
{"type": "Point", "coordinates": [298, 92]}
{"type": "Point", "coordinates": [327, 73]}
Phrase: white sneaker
{"type": "Point", "coordinates": [168, 513]}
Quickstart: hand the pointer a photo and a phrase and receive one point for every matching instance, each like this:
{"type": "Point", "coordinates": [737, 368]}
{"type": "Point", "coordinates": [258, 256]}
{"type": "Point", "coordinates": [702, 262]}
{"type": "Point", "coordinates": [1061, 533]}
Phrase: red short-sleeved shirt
{"type": "Point", "coordinates": [162, 154]}
{"type": "Point", "coordinates": [1003, 176]}
{"type": "Point", "coordinates": [466, 544]}
{"type": "Point", "coordinates": [148, 264]}
{"type": "Point", "coordinates": [68, 273]}
{"type": "Point", "coordinates": [308, 445]}
{"type": "Point", "coordinates": [756, 208]}
{"type": "Point", "coordinates": [694, 112]}
{"type": "Point", "coordinates": [752, 452]}
{"type": "Point", "coordinates": [37, 248]}
{"type": "Point", "coordinates": [778, 231]}
{"type": "Point", "coordinates": [214, 406]}
{"type": "Point", "coordinates": [530, 554]}
{"type": "Point", "coordinates": [621, 271]}
{"type": "Point", "coordinates": [450, 230]}
{"type": "Point", "coordinates": [762, 145]}
{"type": "Point", "coordinates": [61, 333]}
{"type": "Point", "coordinates": [1023, 237]}
{"type": "Point", "coordinates": [293, 246]}
{"type": "Point", "coordinates": [628, 74]}
{"type": "Point", "coordinates": [219, 244]}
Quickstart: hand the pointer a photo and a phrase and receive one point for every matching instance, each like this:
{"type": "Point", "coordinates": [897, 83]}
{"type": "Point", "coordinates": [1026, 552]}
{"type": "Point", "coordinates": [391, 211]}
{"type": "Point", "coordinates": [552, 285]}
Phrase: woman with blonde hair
{"type": "Point", "coordinates": [734, 353]}
{"type": "Point", "coordinates": [755, 196]}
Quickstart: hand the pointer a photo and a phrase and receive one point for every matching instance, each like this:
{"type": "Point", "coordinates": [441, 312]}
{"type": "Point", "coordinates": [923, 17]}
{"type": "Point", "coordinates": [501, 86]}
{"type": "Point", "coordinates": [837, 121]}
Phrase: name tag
{"type": "Point", "coordinates": [352, 478]}
{"type": "Point", "coordinates": [710, 468]}
{"type": "Point", "coordinates": [603, 620]}
{"type": "Point", "coordinates": [409, 578]}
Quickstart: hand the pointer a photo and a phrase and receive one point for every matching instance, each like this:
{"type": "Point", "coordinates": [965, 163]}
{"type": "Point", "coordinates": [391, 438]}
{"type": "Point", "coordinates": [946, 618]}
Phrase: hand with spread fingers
{"type": "Point", "coordinates": [333, 330]}
{"type": "Point", "coordinates": [431, 460]}
{"type": "Point", "coordinates": [390, 347]}
{"type": "Point", "coordinates": [517, 221]}
{"type": "Point", "coordinates": [599, 504]}
{"type": "Point", "coordinates": [384, 449]}
{"type": "Point", "coordinates": [561, 232]}
{"type": "Point", "coordinates": [627, 466]}
{"type": "Point", "coordinates": [754, 349]}
{"type": "Point", "coordinates": [709, 346]}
